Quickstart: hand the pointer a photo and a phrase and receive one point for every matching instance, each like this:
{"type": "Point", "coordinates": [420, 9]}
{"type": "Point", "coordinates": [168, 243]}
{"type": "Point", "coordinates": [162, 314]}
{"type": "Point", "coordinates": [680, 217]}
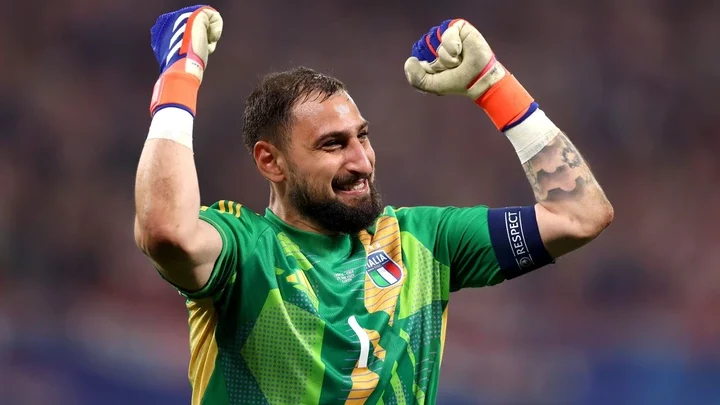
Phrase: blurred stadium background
{"type": "Point", "coordinates": [630, 319]}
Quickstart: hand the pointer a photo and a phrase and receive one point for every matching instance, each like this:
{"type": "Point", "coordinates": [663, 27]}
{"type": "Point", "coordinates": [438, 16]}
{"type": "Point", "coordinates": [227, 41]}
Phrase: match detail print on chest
{"type": "Point", "coordinates": [384, 273]}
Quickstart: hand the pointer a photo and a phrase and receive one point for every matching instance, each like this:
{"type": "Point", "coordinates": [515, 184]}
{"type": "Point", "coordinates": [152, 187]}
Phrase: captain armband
{"type": "Point", "coordinates": [516, 240]}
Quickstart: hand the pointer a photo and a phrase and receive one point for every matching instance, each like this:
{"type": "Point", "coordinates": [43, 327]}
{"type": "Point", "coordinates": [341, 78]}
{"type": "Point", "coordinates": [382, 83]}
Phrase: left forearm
{"type": "Point", "coordinates": [564, 184]}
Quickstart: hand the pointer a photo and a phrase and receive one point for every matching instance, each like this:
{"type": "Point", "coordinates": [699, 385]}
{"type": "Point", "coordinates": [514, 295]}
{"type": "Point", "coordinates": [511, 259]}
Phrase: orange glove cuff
{"type": "Point", "coordinates": [505, 101]}
{"type": "Point", "coordinates": [175, 88]}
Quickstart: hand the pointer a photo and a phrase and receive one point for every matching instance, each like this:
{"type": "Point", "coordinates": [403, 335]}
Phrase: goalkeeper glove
{"type": "Point", "coordinates": [182, 41]}
{"type": "Point", "coordinates": [454, 58]}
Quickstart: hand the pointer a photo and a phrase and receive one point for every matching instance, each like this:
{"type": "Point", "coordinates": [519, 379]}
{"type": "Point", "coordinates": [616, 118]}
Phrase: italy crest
{"type": "Point", "coordinates": [383, 271]}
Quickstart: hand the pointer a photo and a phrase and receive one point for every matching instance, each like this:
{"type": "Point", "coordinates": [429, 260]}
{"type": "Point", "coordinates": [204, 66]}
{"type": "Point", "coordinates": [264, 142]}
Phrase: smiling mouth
{"type": "Point", "coordinates": [360, 187]}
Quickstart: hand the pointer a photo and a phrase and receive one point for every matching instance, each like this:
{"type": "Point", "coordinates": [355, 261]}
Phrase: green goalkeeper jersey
{"type": "Point", "coordinates": [293, 317]}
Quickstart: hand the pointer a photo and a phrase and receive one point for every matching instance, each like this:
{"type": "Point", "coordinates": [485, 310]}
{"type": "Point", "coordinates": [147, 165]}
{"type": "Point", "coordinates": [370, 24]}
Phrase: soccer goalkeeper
{"type": "Point", "coordinates": [330, 297]}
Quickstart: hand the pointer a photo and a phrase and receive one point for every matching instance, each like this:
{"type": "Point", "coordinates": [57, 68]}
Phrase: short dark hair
{"type": "Point", "coordinates": [268, 109]}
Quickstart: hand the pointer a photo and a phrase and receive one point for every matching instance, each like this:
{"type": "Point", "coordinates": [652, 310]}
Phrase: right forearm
{"type": "Point", "coordinates": [167, 196]}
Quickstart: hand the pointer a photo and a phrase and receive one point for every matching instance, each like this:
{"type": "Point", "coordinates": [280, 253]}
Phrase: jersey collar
{"type": "Point", "coordinates": [317, 243]}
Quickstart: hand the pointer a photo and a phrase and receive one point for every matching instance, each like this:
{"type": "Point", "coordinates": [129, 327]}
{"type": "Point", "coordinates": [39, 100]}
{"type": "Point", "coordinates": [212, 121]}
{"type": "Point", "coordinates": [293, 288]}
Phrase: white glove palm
{"type": "Point", "coordinates": [205, 34]}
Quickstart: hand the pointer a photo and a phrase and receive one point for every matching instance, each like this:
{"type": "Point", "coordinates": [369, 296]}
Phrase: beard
{"type": "Point", "coordinates": [332, 214]}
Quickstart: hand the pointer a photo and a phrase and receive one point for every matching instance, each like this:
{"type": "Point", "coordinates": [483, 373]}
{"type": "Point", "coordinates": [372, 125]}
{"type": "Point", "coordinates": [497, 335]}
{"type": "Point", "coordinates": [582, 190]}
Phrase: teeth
{"type": "Point", "coordinates": [358, 186]}
{"type": "Point", "coordinates": [354, 187]}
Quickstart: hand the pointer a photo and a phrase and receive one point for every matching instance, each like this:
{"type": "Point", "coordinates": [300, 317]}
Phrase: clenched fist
{"type": "Point", "coordinates": [453, 58]}
{"type": "Point", "coordinates": [182, 41]}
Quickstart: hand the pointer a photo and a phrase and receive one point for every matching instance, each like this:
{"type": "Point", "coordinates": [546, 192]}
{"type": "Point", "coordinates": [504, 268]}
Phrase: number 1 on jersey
{"type": "Point", "coordinates": [364, 341]}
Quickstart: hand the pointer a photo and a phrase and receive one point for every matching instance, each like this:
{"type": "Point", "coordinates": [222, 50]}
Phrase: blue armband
{"type": "Point", "coordinates": [516, 240]}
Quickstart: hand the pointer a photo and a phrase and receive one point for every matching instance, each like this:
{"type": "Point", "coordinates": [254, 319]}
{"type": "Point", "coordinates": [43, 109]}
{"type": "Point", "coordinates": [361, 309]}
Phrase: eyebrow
{"type": "Point", "coordinates": [337, 134]}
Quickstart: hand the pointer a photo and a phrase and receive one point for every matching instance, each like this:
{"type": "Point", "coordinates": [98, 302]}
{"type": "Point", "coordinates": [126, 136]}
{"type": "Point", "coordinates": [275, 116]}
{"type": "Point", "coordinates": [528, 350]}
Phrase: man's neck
{"type": "Point", "coordinates": [292, 217]}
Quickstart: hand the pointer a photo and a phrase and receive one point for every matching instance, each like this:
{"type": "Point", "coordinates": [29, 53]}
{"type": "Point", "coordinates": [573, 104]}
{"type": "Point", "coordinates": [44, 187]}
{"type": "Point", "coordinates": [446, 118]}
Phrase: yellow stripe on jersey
{"type": "Point", "coordinates": [364, 382]}
{"type": "Point", "coordinates": [229, 207]}
{"type": "Point", "coordinates": [443, 330]}
{"type": "Point", "coordinates": [374, 337]}
{"type": "Point", "coordinates": [203, 346]}
{"type": "Point", "coordinates": [386, 238]}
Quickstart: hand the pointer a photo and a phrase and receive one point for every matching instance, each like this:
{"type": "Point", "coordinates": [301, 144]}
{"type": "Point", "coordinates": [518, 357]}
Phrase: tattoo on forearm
{"type": "Point", "coordinates": [571, 157]}
{"type": "Point", "coordinates": [558, 172]}
{"type": "Point", "coordinates": [558, 194]}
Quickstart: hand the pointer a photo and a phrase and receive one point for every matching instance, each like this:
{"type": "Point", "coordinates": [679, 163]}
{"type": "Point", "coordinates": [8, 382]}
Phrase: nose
{"type": "Point", "coordinates": [358, 159]}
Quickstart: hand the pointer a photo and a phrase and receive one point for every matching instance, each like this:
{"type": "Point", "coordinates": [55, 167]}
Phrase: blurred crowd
{"type": "Point", "coordinates": [631, 318]}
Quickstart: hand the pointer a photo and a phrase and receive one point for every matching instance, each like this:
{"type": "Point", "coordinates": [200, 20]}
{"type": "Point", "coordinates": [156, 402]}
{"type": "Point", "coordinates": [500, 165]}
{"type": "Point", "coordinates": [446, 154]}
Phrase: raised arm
{"type": "Point", "coordinates": [167, 196]}
{"type": "Point", "coordinates": [571, 208]}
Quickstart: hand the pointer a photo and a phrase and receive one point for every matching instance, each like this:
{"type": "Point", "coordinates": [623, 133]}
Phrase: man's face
{"type": "Point", "coordinates": [331, 163]}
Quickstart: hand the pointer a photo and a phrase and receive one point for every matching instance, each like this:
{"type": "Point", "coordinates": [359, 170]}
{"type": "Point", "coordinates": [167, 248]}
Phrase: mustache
{"type": "Point", "coordinates": [350, 179]}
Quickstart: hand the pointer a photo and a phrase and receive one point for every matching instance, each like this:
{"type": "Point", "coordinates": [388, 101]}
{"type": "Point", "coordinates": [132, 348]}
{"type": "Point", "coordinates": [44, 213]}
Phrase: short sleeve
{"type": "Point", "coordinates": [464, 232]}
{"type": "Point", "coordinates": [239, 229]}
{"type": "Point", "coordinates": [459, 238]}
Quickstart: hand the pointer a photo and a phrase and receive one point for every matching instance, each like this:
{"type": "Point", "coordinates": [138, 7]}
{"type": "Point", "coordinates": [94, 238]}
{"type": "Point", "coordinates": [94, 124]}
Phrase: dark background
{"type": "Point", "coordinates": [631, 318]}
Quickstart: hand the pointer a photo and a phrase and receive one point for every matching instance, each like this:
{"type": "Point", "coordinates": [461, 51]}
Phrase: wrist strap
{"type": "Point", "coordinates": [176, 89]}
{"type": "Point", "coordinates": [174, 124]}
{"type": "Point", "coordinates": [517, 115]}
{"type": "Point", "coordinates": [530, 133]}
{"type": "Point", "coordinates": [505, 101]}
